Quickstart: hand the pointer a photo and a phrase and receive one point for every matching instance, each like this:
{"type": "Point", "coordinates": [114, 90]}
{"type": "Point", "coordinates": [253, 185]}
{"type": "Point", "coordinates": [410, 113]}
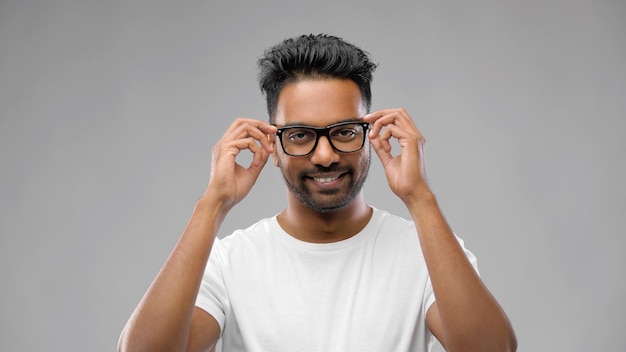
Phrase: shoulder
{"type": "Point", "coordinates": [402, 233]}
{"type": "Point", "coordinates": [244, 243]}
{"type": "Point", "coordinates": [389, 219]}
{"type": "Point", "coordinates": [387, 224]}
{"type": "Point", "coordinates": [255, 232]}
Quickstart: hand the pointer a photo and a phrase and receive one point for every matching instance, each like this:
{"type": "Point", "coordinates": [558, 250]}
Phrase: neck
{"type": "Point", "coordinates": [312, 226]}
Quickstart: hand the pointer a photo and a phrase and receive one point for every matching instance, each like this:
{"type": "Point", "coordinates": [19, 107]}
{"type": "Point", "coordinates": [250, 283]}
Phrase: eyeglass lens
{"type": "Point", "coordinates": [300, 140]}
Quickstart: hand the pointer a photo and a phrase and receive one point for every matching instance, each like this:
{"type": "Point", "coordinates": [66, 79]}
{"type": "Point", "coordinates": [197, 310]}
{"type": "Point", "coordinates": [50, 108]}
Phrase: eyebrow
{"type": "Point", "coordinates": [297, 124]}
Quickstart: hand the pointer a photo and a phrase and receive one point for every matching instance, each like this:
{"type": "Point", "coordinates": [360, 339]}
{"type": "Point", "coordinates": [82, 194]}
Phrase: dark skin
{"type": "Point", "coordinates": [310, 103]}
{"type": "Point", "coordinates": [465, 316]}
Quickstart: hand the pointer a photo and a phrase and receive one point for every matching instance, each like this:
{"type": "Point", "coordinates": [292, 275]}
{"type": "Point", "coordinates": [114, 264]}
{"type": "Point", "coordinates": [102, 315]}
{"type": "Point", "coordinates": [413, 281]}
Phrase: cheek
{"type": "Point", "coordinates": [278, 157]}
{"type": "Point", "coordinates": [365, 155]}
{"type": "Point", "coordinates": [365, 161]}
{"type": "Point", "coordinates": [281, 162]}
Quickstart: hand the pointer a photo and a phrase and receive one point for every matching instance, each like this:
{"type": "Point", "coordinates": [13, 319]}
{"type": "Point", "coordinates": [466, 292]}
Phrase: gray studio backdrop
{"type": "Point", "coordinates": [109, 110]}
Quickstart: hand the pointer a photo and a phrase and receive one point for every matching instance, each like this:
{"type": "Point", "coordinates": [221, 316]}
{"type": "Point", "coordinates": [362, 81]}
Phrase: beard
{"type": "Point", "coordinates": [330, 200]}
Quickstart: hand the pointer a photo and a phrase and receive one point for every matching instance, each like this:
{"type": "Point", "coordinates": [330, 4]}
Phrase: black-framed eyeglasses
{"type": "Point", "coordinates": [345, 137]}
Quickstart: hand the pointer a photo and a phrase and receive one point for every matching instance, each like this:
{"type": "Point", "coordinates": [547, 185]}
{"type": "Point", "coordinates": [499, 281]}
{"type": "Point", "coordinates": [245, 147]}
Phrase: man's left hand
{"type": "Point", "coordinates": [406, 172]}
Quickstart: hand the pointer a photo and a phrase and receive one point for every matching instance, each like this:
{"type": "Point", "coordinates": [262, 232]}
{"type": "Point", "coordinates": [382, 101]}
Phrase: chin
{"type": "Point", "coordinates": [327, 207]}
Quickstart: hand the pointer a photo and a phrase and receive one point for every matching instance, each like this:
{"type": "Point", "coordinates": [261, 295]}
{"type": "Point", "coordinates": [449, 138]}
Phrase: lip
{"type": "Point", "coordinates": [327, 180]}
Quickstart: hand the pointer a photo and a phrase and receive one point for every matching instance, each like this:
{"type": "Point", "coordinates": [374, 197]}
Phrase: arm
{"type": "Point", "coordinates": [166, 318]}
{"type": "Point", "coordinates": [465, 317]}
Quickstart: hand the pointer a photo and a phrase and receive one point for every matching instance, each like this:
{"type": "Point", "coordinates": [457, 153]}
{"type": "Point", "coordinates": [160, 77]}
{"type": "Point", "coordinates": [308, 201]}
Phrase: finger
{"type": "Point", "coordinates": [233, 148]}
{"type": "Point", "coordinates": [242, 124]}
{"type": "Point", "coordinates": [259, 154]}
{"type": "Point", "coordinates": [381, 118]}
{"type": "Point", "coordinates": [265, 139]}
{"type": "Point", "coordinates": [384, 153]}
{"type": "Point", "coordinates": [371, 118]}
{"type": "Point", "coordinates": [397, 117]}
{"type": "Point", "coordinates": [261, 131]}
{"type": "Point", "coordinates": [384, 137]}
{"type": "Point", "coordinates": [259, 159]}
{"type": "Point", "coordinates": [262, 125]}
{"type": "Point", "coordinates": [264, 133]}
{"type": "Point", "coordinates": [379, 113]}
{"type": "Point", "coordinates": [408, 141]}
{"type": "Point", "coordinates": [226, 158]}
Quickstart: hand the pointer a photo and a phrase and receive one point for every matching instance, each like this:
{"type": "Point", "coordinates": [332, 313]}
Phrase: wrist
{"type": "Point", "coordinates": [213, 206]}
{"type": "Point", "coordinates": [420, 198]}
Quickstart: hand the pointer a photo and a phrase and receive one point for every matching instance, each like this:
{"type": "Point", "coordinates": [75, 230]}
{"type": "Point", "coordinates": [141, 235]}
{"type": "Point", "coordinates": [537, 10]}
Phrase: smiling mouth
{"type": "Point", "coordinates": [326, 179]}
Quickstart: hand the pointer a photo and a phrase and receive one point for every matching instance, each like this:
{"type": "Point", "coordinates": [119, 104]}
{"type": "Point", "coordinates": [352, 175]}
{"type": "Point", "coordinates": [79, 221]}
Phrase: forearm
{"type": "Point", "coordinates": [162, 319]}
{"type": "Point", "coordinates": [471, 318]}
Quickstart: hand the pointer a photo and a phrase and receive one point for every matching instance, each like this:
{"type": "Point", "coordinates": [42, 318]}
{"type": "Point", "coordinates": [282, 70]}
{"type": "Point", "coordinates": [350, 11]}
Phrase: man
{"type": "Point", "coordinates": [329, 272]}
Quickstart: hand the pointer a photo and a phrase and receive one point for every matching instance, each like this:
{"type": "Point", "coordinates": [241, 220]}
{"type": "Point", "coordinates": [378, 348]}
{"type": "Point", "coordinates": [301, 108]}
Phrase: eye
{"type": "Point", "coordinates": [346, 133]}
{"type": "Point", "coordinates": [299, 135]}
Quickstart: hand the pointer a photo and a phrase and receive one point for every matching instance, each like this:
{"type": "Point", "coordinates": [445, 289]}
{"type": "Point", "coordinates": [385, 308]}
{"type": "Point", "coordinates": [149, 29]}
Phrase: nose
{"type": "Point", "coordinates": [324, 154]}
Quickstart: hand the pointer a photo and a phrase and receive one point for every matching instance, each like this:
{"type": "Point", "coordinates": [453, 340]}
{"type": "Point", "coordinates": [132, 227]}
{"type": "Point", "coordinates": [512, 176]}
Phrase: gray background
{"type": "Point", "coordinates": [109, 109]}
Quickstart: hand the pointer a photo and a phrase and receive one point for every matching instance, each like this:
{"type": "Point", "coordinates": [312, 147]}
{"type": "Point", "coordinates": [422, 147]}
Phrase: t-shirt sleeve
{"type": "Point", "coordinates": [212, 297]}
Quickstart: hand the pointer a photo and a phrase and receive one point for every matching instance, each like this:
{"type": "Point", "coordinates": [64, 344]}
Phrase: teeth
{"type": "Point", "coordinates": [325, 179]}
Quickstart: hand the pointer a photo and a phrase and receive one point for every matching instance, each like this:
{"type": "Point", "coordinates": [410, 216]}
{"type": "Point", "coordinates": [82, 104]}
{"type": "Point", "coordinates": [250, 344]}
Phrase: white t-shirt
{"type": "Point", "coordinates": [271, 292]}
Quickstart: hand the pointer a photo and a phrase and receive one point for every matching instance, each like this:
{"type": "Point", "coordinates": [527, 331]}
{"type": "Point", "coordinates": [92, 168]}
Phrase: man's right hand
{"type": "Point", "coordinates": [230, 182]}
{"type": "Point", "coordinates": [166, 318]}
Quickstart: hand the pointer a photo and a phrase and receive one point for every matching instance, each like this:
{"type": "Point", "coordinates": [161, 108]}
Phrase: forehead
{"type": "Point", "coordinates": [319, 102]}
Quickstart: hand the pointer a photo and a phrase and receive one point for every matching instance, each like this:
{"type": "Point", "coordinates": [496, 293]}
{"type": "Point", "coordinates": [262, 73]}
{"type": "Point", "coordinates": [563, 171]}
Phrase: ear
{"type": "Point", "coordinates": [272, 140]}
{"type": "Point", "coordinates": [275, 158]}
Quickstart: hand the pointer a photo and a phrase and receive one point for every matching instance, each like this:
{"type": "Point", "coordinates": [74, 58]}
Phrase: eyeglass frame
{"type": "Point", "coordinates": [323, 132]}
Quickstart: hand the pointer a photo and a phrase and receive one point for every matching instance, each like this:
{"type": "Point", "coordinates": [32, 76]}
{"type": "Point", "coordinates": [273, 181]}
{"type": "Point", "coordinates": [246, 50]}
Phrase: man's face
{"type": "Point", "coordinates": [324, 180]}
